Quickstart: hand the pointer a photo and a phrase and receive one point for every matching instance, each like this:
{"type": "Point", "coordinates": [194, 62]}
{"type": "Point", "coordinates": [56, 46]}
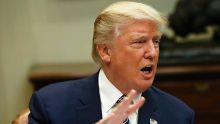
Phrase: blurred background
{"type": "Point", "coordinates": [45, 41]}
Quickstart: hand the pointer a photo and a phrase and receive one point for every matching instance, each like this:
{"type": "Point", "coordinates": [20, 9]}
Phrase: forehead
{"type": "Point", "coordinates": [139, 28]}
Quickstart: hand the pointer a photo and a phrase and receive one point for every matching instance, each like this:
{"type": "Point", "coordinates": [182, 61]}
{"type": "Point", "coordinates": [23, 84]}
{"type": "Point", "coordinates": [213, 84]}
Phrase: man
{"type": "Point", "coordinates": [126, 46]}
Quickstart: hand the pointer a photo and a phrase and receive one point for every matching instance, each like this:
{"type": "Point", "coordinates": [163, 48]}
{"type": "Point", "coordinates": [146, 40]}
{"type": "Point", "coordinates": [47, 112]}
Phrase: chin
{"type": "Point", "coordinates": [144, 86]}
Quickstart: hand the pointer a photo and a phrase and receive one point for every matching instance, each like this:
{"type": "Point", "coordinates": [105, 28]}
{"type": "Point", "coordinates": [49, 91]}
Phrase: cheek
{"type": "Point", "coordinates": [134, 57]}
{"type": "Point", "coordinates": [157, 54]}
{"type": "Point", "coordinates": [127, 56]}
{"type": "Point", "coordinates": [126, 62]}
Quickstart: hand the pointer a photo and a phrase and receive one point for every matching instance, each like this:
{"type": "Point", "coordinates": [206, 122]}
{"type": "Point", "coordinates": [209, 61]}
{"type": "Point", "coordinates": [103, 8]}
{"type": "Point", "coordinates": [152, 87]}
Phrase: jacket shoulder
{"type": "Point", "coordinates": [66, 86]}
{"type": "Point", "coordinates": [64, 98]}
{"type": "Point", "coordinates": [169, 102]}
{"type": "Point", "coordinates": [66, 90]}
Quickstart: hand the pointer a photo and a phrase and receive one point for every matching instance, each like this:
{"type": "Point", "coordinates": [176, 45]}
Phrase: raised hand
{"type": "Point", "coordinates": [123, 109]}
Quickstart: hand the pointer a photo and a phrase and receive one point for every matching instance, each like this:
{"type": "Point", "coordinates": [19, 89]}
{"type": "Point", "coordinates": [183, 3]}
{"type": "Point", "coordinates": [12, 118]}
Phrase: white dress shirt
{"type": "Point", "coordinates": [109, 94]}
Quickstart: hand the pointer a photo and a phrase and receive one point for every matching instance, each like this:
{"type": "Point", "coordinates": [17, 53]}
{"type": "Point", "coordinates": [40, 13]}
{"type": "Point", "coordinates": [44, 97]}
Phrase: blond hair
{"type": "Point", "coordinates": [106, 24]}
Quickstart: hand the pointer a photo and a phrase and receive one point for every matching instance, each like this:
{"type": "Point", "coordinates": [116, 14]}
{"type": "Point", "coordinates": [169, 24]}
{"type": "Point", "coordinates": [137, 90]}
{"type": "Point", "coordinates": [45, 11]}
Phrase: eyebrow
{"type": "Point", "coordinates": [144, 36]}
{"type": "Point", "coordinates": [138, 36]}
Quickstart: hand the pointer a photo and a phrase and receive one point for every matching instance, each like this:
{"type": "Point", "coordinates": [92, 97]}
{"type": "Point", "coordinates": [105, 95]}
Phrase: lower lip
{"type": "Point", "coordinates": [147, 75]}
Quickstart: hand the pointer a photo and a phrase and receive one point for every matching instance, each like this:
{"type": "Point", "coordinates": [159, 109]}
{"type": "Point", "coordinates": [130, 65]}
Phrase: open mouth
{"type": "Point", "coordinates": [147, 69]}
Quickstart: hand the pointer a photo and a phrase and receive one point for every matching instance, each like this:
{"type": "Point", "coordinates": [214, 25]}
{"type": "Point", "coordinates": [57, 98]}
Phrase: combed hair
{"type": "Point", "coordinates": [107, 23]}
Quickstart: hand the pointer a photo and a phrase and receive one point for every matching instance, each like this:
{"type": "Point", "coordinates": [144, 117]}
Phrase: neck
{"type": "Point", "coordinates": [120, 85]}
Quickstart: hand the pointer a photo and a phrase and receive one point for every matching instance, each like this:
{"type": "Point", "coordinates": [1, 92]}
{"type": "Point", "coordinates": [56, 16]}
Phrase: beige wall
{"type": "Point", "coordinates": [44, 31]}
{"type": "Point", "coordinates": [15, 57]}
{"type": "Point", "coordinates": [63, 28]}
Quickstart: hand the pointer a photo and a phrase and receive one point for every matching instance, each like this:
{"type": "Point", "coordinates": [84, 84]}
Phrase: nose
{"type": "Point", "coordinates": [150, 51]}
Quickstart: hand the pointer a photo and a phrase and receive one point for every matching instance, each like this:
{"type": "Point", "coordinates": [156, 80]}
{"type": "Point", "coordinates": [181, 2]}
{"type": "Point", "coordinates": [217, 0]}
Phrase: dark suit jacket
{"type": "Point", "coordinates": [78, 102]}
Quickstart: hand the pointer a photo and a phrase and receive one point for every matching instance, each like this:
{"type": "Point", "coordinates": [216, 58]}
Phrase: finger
{"type": "Point", "coordinates": [133, 107]}
{"type": "Point", "coordinates": [109, 119]}
{"type": "Point", "coordinates": [124, 104]}
{"type": "Point", "coordinates": [124, 107]}
{"type": "Point", "coordinates": [128, 99]}
{"type": "Point", "coordinates": [131, 95]}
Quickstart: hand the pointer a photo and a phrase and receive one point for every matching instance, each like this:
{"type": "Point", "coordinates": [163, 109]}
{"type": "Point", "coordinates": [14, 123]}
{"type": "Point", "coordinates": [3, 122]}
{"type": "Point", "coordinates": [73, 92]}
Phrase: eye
{"type": "Point", "coordinates": [156, 43]}
{"type": "Point", "coordinates": [138, 43]}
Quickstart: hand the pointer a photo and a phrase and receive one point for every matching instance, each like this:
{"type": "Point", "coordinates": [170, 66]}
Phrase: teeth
{"type": "Point", "coordinates": [147, 69]}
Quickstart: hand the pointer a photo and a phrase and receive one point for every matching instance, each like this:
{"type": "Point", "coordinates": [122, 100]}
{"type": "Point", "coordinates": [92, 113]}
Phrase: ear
{"type": "Point", "coordinates": [103, 50]}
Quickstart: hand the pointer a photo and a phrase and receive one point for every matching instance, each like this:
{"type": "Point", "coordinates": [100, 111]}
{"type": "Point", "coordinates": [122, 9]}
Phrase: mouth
{"type": "Point", "coordinates": [147, 69]}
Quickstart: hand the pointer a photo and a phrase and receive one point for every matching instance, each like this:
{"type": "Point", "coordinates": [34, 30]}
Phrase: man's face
{"type": "Point", "coordinates": [134, 56]}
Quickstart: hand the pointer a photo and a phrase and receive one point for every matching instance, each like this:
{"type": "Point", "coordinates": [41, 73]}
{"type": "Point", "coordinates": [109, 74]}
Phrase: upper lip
{"type": "Point", "coordinates": [148, 65]}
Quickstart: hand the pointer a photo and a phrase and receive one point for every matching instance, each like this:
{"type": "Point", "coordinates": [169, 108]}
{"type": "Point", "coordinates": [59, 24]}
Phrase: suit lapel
{"type": "Point", "coordinates": [89, 111]}
{"type": "Point", "coordinates": [149, 109]}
